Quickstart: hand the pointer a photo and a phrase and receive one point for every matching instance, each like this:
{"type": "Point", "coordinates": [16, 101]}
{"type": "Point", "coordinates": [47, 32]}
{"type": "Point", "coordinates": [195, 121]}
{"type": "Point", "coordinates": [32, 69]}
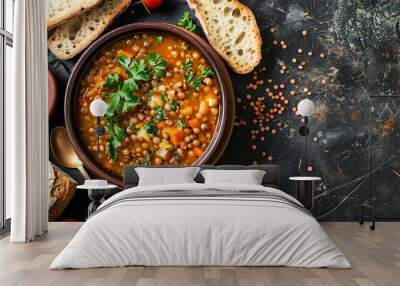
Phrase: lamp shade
{"type": "Point", "coordinates": [305, 107]}
{"type": "Point", "coordinates": [98, 107]}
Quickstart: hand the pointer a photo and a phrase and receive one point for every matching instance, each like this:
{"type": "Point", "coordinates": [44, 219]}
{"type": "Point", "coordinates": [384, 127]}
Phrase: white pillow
{"type": "Point", "coordinates": [164, 176]}
{"type": "Point", "coordinates": [248, 177]}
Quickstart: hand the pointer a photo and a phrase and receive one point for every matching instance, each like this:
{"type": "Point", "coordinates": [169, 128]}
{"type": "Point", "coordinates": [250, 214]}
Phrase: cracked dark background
{"type": "Point", "coordinates": [361, 41]}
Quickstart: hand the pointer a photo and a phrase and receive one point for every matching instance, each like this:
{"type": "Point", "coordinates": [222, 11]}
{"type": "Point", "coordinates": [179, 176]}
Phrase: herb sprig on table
{"type": "Point", "coordinates": [186, 21]}
{"type": "Point", "coordinates": [123, 98]}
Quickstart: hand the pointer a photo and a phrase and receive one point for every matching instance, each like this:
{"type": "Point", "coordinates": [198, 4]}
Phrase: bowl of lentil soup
{"type": "Point", "coordinates": [169, 95]}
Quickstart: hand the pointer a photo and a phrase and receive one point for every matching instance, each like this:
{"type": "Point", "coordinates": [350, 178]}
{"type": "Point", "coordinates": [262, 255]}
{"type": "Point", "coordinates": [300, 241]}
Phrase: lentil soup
{"type": "Point", "coordinates": [163, 103]}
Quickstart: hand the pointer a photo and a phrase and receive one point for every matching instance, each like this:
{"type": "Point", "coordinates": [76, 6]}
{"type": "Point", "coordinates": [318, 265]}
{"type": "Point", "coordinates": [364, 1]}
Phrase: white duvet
{"type": "Point", "coordinates": [200, 231]}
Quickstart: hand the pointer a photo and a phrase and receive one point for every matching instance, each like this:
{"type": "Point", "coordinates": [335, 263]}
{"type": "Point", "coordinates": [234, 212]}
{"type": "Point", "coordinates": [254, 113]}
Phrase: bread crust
{"type": "Point", "coordinates": [244, 10]}
{"type": "Point", "coordinates": [60, 19]}
{"type": "Point", "coordinates": [54, 40]}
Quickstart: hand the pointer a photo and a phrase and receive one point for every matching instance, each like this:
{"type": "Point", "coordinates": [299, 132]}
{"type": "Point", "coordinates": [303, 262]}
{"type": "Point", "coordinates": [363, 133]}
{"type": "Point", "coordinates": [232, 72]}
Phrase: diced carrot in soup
{"type": "Point", "coordinates": [177, 136]}
{"type": "Point", "coordinates": [194, 123]}
{"type": "Point", "coordinates": [161, 125]}
{"type": "Point", "coordinates": [198, 151]}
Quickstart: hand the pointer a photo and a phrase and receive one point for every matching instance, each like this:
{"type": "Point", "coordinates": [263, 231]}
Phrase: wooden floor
{"type": "Point", "coordinates": [375, 257]}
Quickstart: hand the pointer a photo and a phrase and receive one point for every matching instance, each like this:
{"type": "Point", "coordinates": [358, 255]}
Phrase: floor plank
{"type": "Point", "coordinates": [375, 257]}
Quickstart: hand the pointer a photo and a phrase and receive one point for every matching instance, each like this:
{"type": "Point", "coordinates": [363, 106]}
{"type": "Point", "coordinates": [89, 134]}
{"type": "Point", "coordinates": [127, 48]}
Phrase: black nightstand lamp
{"type": "Point", "coordinates": [98, 108]}
{"type": "Point", "coordinates": [305, 108]}
{"type": "Point", "coordinates": [305, 184]}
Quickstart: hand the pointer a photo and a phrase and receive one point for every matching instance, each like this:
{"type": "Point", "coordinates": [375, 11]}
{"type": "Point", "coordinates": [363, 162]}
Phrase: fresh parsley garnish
{"type": "Point", "coordinates": [146, 161]}
{"type": "Point", "coordinates": [206, 72]}
{"type": "Point", "coordinates": [176, 155]}
{"type": "Point", "coordinates": [180, 123]}
{"type": "Point", "coordinates": [130, 86]}
{"type": "Point", "coordinates": [189, 75]}
{"type": "Point", "coordinates": [112, 81]}
{"type": "Point", "coordinates": [150, 128]}
{"type": "Point", "coordinates": [186, 21]}
{"type": "Point", "coordinates": [116, 135]}
{"type": "Point", "coordinates": [124, 61]}
{"type": "Point", "coordinates": [138, 71]}
{"type": "Point", "coordinates": [196, 83]}
{"type": "Point", "coordinates": [159, 39]}
{"type": "Point", "coordinates": [157, 64]}
{"type": "Point", "coordinates": [160, 114]}
{"type": "Point", "coordinates": [187, 65]}
{"type": "Point", "coordinates": [173, 105]}
{"type": "Point", "coordinates": [128, 104]}
{"type": "Point", "coordinates": [122, 99]}
{"type": "Point", "coordinates": [164, 97]}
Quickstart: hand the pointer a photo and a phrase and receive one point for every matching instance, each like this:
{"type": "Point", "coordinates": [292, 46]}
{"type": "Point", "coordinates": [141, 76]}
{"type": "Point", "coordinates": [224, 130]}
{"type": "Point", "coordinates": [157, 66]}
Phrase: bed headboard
{"type": "Point", "coordinates": [271, 177]}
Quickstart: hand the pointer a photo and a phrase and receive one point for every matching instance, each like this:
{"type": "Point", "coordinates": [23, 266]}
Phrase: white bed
{"type": "Point", "coordinates": [187, 230]}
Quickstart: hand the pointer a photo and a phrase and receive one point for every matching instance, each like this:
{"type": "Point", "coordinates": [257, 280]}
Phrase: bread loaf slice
{"type": "Point", "coordinates": [232, 30]}
{"type": "Point", "coordinates": [72, 37]}
{"type": "Point", "coordinates": [59, 11]}
{"type": "Point", "coordinates": [62, 191]}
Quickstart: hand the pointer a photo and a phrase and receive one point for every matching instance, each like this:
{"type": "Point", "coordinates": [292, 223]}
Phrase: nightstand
{"type": "Point", "coordinates": [97, 192]}
{"type": "Point", "coordinates": [305, 190]}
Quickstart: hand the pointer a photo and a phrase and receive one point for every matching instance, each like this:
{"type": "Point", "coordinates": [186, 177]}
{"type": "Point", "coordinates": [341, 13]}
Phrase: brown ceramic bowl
{"type": "Point", "coordinates": [52, 87]}
{"type": "Point", "coordinates": [227, 104]}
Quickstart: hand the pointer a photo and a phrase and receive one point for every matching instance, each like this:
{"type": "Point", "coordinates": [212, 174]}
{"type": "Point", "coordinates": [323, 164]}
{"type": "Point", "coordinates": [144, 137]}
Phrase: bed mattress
{"type": "Point", "coordinates": [201, 225]}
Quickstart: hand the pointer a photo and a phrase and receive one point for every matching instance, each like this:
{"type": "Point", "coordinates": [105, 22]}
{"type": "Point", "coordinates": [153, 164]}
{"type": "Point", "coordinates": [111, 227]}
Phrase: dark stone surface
{"type": "Point", "coordinates": [361, 41]}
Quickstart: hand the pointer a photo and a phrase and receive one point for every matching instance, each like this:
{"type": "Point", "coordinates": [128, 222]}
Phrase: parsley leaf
{"type": "Point", "coordinates": [111, 148]}
{"type": "Point", "coordinates": [130, 86]}
{"type": "Point", "coordinates": [160, 114]}
{"type": "Point", "coordinates": [159, 39]}
{"type": "Point", "coordinates": [196, 83]}
{"type": "Point", "coordinates": [119, 133]}
{"type": "Point", "coordinates": [157, 64]}
{"type": "Point", "coordinates": [115, 99]}
{"type": "Point", "coordinates": [189, 75]}
{"type": "Point", "coordinates": [112, 81]}
{"type": "Point", "coordinates": [124, 61]}
{"type": "Point", "coordinates": [176, 155]}
{"type": "Point", "coordinates": [146, 161]}
{"type": "Point", "coordinates": [180, 123]}
{"type": "Point", "coordinates": [116, 135]}
{"type": "Point", "coordinates": [150, 128]}
{"type": "Point", "coordinates": [122, 100]}
{"type": "Point", "coordinates": [187, 22]}
{"type": "Point", "coordinates": [164, 97]}
{"type": "Point", "coordinates": [206, 72]}
{"type": "Point", "coordinates": [138, 71]}
{"type": "Point", "coordinates": [128, 104]}
{"type": "Point", "coordinates": [187, 65]}
{"type": "Point", "coordinates": [174, 105]}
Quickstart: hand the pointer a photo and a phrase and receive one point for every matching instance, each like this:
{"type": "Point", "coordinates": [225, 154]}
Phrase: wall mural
{"type": "Point", "coordinates": [336, 53]}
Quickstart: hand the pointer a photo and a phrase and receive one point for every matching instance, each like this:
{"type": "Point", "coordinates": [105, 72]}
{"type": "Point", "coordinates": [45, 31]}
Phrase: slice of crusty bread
{"type": "Point", "coordinates": [232, 30]}
{"type": "Point", "coordinates": [59, 11]}
{"type": "Point", "coordinates": [72, 37]}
